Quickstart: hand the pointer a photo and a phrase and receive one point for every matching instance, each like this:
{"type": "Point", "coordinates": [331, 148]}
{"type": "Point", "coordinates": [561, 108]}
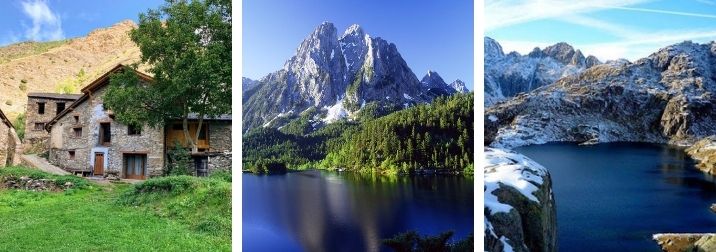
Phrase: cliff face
{"type": "Point", "coordinates": [520, 211]}
{"type": "Point", "coordinates": [61, 65]}
{"type": "Point", "coordinates": [664, 98]}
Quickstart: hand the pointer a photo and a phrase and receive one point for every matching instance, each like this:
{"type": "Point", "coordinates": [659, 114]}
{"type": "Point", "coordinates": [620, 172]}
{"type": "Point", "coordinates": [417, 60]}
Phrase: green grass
{"type": "Point", "coordinates": [164, 214]}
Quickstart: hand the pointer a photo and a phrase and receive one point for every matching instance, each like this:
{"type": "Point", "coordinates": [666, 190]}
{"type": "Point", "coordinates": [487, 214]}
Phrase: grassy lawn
{"type": "Point", "coordinates": [165, 214]}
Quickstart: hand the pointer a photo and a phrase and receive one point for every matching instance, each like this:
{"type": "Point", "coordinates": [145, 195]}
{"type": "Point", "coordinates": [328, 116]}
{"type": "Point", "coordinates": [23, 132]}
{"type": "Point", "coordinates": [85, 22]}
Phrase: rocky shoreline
{"type": "Point", "coordinates": [672, 242]}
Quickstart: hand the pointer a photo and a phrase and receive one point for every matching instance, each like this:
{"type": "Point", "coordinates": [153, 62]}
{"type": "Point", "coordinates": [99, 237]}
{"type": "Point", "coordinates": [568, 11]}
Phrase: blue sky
{"type": "Point", "coordinates": [608, 29]}
{"type": "Point", "coordinates": [43, 20]}
{"type": "Point", "coordinates": [430, 35]}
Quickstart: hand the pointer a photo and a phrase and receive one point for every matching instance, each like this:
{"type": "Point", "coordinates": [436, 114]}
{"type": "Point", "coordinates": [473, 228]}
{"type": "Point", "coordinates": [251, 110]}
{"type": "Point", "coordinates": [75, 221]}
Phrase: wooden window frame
{"type": "Point", "coordinates": [75, 131]}
{"type": "Point", "coordinates": [103, 135]}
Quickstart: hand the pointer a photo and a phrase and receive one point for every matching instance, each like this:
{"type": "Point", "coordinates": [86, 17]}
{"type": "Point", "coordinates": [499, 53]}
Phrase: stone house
{"type": "Point", "coordinates": [85, 138]}
{"type": "Point", "coordinates": [9, 143]}
{"type": "Point", "coordinates": [41, 108]}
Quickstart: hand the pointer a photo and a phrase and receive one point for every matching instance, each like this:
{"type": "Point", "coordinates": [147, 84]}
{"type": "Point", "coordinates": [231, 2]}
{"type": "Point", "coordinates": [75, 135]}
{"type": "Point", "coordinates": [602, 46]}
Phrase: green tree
{"type": "Point", "coordinates": [187, 47]}
{"type": "Point", "coordinates": [19, 124]}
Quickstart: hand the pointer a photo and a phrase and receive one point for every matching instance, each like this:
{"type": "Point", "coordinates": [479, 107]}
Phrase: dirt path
{"type": "Point", "coordinates": [42, 164]}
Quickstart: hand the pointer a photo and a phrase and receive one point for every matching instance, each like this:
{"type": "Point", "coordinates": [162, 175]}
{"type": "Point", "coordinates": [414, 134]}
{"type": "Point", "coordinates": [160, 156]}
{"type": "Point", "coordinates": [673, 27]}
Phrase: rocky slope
{"type": "Point", "coordinates": [671, 242]}
{"type": "Point", "coordinates": [507, 75]}
{"type": "Point", "coordinates": [667, 97]}
{"type": "Point", "coordinates": [46, 67]}
{"type": "Point", "coordinates": [520, 211]}
{"type": "Point", "coordinates": [704, 151]}
{"type": "Point", "coordinates": [337, 75]}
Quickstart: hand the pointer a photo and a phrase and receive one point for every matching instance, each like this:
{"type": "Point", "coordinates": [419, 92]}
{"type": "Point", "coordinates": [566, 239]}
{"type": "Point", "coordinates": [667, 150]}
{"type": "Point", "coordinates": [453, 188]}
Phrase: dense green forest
{"type": "Point", "coordinates": [436, 136]}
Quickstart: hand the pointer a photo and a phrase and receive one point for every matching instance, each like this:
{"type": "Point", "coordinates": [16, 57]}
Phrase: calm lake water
{"type": "Point", "coordinates": [328, 211]}
{"type": "Point", "coordinates": [613, 197]}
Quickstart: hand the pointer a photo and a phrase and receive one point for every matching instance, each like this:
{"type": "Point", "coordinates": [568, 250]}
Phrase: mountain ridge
{"type": "Point", "coordinates": [68, 65]}
{"type": "Point", "coordinates": [338, 75]}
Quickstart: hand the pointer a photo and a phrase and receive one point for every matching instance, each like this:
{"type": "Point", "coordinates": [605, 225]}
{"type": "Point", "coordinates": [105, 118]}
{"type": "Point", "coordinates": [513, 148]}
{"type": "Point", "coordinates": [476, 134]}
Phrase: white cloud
{"type": "Point", "coordinates": [502, 13]}
{"type": "Point", "coordinates": [46, 25]}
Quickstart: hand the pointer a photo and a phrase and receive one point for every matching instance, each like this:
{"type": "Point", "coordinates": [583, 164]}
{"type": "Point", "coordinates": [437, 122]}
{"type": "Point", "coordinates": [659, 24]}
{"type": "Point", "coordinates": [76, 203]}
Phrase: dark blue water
{"type": "Point", "coordinates": [326, 211]}
{"type": "Point", "coordinates": [613, 197]}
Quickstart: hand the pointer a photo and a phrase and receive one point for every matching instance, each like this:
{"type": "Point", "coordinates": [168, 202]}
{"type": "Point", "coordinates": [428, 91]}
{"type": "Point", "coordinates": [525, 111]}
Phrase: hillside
{"type": "Point", "coordinates": [61, 65]}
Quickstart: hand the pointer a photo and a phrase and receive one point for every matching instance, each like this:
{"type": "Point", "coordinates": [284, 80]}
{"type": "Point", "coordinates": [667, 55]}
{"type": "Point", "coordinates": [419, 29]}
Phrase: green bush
{"type": "Point", "coordinates": [179, 161]}
{"type": "Point", "coordinates": [224, 175]}
{"type": "Point", "coordinates": [202, 203]}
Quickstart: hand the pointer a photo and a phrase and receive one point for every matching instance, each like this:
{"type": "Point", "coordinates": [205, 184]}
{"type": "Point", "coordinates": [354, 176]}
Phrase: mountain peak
{"type": "Point", "coordinates": [459, 86]}
{"type": "Point", "coordinates": [354, 29]}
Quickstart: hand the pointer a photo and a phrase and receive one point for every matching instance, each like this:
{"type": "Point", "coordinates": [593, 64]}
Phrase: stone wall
{"type": "Point", "coordinates": [220, 136]}
{"type": "Point", "coordinates": [91, 114]}
{"type": "Point", "coordinates": [36, 140]}
{"type": "Point", "coordinates": [220, 140]}
{"type": "Point", "coordinates": [4, 143]}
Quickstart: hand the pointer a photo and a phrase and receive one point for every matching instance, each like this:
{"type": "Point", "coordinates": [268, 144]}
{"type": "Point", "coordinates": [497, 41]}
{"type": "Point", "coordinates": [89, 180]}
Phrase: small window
{"type": "Point", "coordinates": [77, 119]}
{"type": "Point", "coordinates": [105, 134]}
{"type": "Point", "coordinates": [134, 130]}
{"type": "Point", "coordinates": [41, 108]}
{"type": "Point", "coordinates": [203, 132]}
{"type": "Point", "coordinates": [39, 126]}
{"type": "Point", "coordinates": [71, 154]}
{"type": "Point", "coordinates": [60, 107]}
{"type": "Point", "coordinates": [77, 132]}
{"type": "Point", "coordinates": [177, 126]}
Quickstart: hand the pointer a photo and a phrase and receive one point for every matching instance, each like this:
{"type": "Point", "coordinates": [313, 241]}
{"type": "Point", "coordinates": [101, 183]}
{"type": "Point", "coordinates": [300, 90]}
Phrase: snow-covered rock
{"type": "Point", "coordinates": [664, 98]}
{"type": "Point", "coordinates": [519, 206]}
{"type": "Point", "coordinates": [327, 68]}
{"type": "Point", "coordinates": [507, 75]}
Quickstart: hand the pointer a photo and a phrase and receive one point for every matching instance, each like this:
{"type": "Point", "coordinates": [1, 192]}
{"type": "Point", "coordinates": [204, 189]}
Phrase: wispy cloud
{"type": "Point", "coordinates": [502, 13]}
{"type": "Point", "coordinates": [630, 43]}
{"type": "Point", "coordinates": [678, 13]}
{"type": "Point", "coordinates": [46, 24]}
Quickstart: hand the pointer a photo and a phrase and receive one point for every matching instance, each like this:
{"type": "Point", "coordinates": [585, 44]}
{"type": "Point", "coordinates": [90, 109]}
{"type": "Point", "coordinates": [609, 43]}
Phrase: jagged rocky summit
{"type": "Point", "coordinates": [507, 75]}
{"type": "Point", "coordinates": [520, 211]}
{"type": "Point", "coordinates": [337, 75]}
{"type": "Point", "coordinates": [667, 97]}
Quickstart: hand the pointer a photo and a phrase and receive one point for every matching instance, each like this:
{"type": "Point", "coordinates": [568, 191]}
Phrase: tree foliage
{"type": "Point", "coordinates": [187, 46]}
{"type": "Point", "coordinates": [436, 136]}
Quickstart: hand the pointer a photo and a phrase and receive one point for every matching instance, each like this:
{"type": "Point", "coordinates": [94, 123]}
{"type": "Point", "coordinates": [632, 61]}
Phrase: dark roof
{"type": "Point", "coordinates": [225, 117]}
{"type": "Point", "coordinates": [55, 96]}
{"type": "Point", "coordinates": [96, 84]}
{"type": "Point", "coordinates": [5, 120]}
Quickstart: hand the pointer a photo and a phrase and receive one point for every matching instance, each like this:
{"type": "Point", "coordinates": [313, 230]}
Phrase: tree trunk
{"type": "Point", "coordinates": [187, 137]}
{"type": "Point", "coordinates": [198, 130]}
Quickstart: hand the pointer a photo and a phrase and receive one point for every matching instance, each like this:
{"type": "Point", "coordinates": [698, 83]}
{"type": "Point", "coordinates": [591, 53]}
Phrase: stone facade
{"type": "Point", "coordinates": [41, 108]}
{"type": "Point", "coordinates": [75, 140]}
{"type": "Point", "coordinates": [220, 140]}
{"type": "Point", "coordinates": [9, 143]}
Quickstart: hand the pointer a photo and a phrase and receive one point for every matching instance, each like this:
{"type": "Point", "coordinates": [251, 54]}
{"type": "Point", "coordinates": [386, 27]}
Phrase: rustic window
{"type": "Point", "coordinates": [41, 108]}
{"type": "Point", "coordinates": [72, 154]}
{"type": "Point", "coordinates": [177, 126]}
{"type": "Point", "coordinates": [135, 166]}
{"type": "Point", "coordinates": [77, 132]}
{"type": "Point", "coordinates": [105, 134]}
{"type": "Point", "coordinates": [203, 132]}
{"type": "Point", "coordinates": [39, 126]}
{"type": "Point", "coordinates": [60, 107]}
{"type": "Point", "coordinates": [134, 130]}
{"type": "Point", "coordinates": [77, 119]}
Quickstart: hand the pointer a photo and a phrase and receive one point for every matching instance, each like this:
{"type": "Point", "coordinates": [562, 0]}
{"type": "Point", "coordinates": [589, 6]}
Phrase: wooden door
{"type": "Point", "coordinates": [98, 163]}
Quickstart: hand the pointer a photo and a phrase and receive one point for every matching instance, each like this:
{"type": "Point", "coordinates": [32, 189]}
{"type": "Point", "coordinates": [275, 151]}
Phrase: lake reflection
{"type": "Point", "coordinates": [327, 211]}
{"type": "Point", "coordinates": [614, 197]}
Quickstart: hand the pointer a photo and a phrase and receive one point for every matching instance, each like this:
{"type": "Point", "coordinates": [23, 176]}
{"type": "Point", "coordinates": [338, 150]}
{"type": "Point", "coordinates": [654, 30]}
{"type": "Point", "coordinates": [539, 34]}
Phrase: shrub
{"type": "Point", "coordinates": [224, 175]}
{"type": "Point", "coordinates": [179, 161]}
